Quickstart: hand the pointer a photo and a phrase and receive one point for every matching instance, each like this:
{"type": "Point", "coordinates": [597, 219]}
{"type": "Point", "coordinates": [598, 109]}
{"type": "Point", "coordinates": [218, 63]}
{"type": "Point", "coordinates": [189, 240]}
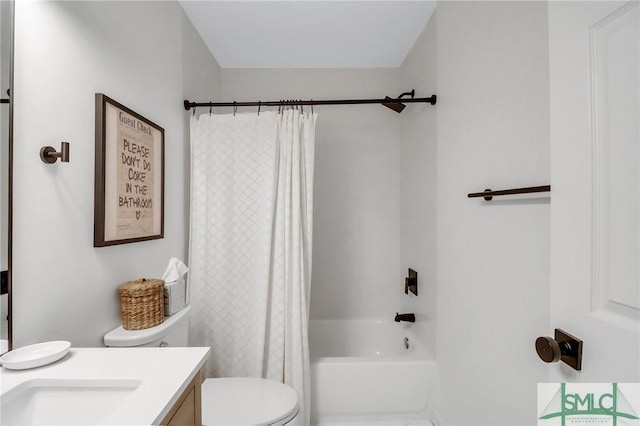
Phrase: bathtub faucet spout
{"type": "Point", "coordinates": [405, 317]}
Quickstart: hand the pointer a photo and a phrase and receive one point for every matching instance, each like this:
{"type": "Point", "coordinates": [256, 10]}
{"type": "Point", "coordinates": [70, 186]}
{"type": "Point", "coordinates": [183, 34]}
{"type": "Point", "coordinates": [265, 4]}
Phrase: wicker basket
{"type": "Point", "coordinates": [141, 303]}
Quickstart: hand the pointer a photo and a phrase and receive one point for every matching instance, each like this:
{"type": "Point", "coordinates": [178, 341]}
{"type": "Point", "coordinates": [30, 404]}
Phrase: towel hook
{"type": "Point", "coordinates": [259, 104]}
{"type": "Point", "coordinates": [49, 155]}
{"type": "Point", "coordinates": [235, 108]}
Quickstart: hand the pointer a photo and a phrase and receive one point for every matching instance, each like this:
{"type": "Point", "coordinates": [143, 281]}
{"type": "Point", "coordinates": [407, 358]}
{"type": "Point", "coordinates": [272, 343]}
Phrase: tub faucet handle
{"type": "Point", "coordinates": [411, 282]}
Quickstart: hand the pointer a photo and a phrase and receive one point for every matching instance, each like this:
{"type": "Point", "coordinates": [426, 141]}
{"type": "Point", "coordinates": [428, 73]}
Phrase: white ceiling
{"type": "Point", "coordinates": [309, 34]}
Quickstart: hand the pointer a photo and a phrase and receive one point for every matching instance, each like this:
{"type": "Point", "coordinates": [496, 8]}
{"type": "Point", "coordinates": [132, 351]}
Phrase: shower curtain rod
{"type": "Point", "coordinates": [430, 100]}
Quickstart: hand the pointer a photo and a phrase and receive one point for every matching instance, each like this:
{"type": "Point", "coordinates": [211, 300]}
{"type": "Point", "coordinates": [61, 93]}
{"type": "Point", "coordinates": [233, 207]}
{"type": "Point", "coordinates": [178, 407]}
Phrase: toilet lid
{"type": "Point", "coordinates": [247, 401]}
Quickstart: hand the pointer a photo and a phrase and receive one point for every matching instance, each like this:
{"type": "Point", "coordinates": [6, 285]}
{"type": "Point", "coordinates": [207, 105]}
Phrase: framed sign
{"type": "Point", "coordinates": [129, 181]}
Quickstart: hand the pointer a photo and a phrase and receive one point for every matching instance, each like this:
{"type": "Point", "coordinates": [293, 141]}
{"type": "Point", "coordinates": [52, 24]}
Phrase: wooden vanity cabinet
{"type": "Point", "coordinates": [187, 411]}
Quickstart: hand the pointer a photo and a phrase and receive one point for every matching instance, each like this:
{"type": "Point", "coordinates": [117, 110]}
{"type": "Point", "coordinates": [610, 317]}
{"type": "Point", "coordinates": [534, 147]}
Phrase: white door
{"type": "Point", "coordinates": [595, 177]}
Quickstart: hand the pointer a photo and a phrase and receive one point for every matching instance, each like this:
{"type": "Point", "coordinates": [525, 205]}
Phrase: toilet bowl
{"type": "Point", "coordinates": [225, 401]}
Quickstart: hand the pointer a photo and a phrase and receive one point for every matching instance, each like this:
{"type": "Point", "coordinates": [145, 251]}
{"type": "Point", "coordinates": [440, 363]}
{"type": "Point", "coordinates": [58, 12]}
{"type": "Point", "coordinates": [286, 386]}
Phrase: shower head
{"type": "Point", "coordinates": [398, 106]}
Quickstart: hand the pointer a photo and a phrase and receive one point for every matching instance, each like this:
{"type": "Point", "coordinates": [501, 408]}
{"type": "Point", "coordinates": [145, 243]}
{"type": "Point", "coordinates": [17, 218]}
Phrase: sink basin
{"type": "Point", "coordinates": [64, 402]}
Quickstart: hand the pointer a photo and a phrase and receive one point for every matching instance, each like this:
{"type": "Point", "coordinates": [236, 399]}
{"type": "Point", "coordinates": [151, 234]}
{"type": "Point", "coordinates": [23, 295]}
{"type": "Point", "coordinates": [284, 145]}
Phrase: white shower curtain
{"type": "Point", "coordinates": [250, 245]}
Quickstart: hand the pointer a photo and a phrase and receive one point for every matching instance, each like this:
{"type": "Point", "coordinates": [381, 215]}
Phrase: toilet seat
{"type": "Point", "coordinates": [247, 401]}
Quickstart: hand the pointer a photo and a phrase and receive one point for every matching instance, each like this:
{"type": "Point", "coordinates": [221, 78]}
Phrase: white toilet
{"type": "Point", "coordinates": [225, 401]}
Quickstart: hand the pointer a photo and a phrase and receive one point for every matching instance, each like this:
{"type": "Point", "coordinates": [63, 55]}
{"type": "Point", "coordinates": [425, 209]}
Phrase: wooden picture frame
{"type": "Point", "coordinates": [129, 176]}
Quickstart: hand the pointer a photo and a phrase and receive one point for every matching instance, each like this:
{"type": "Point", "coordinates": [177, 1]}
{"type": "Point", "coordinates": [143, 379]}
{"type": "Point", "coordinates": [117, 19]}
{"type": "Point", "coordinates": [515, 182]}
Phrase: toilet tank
{"type": "Point", "coordinates": [174, 331]}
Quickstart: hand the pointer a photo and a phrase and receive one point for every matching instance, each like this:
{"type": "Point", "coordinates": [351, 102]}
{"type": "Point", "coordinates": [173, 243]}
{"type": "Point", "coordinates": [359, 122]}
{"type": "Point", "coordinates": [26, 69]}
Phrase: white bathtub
{"type": "Point", "coordinates": [362, 372]}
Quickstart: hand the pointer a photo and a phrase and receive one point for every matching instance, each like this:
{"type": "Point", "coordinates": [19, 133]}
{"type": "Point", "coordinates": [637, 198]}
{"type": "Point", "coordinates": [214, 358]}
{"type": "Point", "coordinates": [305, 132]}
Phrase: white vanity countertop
{"type": "Point", "coordinates": [164, 374]}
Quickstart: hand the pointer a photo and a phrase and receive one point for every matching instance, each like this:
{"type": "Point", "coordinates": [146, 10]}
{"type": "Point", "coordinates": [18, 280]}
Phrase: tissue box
{"type": "Point", "coordinates": [175, 297]}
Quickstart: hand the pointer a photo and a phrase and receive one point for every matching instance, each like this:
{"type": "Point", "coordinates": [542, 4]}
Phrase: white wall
{"type": "Point", "coordinates": [418, 182]}
{"type": "Point", "coordinates": [140, 54]}
{"type": "Point", "coordinates": [493, 257]}
{"type": "Point", "coordinates": [5, 35]}
{"type": "Point", "coordinates": [356, 248]}
{"type": "Point", "coordinates": [201, 77]}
